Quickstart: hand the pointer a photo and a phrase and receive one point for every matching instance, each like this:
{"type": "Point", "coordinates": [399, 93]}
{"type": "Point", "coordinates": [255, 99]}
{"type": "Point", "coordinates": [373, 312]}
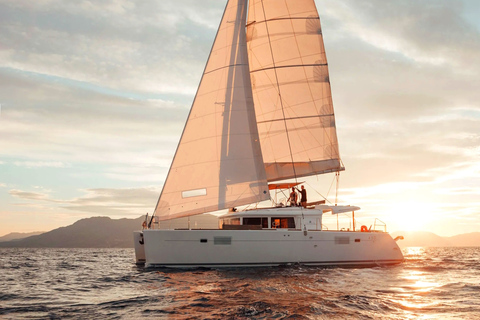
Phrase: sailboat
{"type": "Point", "coordinates": [262, 118]}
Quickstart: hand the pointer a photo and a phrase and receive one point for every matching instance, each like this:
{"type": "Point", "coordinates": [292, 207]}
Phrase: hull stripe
{"type": "Point", "coordinates": [329, 263]}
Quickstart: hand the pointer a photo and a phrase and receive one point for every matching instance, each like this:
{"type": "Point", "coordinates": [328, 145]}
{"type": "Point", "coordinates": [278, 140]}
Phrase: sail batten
{"type": "Point", "coordinates": [291, 66]}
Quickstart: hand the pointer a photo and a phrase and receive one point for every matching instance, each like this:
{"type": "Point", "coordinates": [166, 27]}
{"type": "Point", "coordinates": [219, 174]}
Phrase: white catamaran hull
{"type": "Point", "coordinates": [273, 247]}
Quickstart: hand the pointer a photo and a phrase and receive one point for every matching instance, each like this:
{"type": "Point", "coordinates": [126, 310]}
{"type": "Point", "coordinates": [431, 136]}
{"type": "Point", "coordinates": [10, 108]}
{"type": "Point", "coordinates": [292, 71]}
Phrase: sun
{"type": "Point", "coordinates": [411, 216]}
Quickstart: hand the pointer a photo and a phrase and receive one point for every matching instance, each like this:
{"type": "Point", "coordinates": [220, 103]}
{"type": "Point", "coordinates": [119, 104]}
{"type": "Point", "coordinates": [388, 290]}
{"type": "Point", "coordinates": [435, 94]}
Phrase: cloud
{"type": "Point", "coordinates": [433, 32]}
{"type": "Point", "coordinates": [105, 201]}
{"type": "Point", "coordinates": [147, 46]}
{"type": "Point", "coordinates": [40, 164]}
{"type": "Point", "coordinates": [460, 191]}
{"type": "Point", "coordinates": [29, 195]}
{"type": "Point", "coordinates": [71, 125]}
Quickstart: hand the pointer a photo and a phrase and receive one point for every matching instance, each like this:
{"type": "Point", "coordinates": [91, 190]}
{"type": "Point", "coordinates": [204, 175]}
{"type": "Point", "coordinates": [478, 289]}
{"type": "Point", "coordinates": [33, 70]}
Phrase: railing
{"type": "Point", "coordinates": [381, 223]}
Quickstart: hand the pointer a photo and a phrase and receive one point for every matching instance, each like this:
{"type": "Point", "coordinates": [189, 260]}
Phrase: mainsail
{"type": "Point", "coordinates": [218, 163]}
{"type": "Point", "coordinates": [291, 88]}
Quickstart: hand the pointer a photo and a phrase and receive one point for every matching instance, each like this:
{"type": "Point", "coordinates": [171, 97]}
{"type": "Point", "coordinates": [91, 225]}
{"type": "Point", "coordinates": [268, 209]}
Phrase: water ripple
{"type": "Point", "coordinates": [433, 283]}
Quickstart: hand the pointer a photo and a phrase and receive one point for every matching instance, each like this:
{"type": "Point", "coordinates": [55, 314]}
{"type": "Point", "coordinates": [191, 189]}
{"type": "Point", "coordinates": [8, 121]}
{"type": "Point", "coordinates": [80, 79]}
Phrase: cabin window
{"type": "Point", "coordinates": [256, 222]}
{"type": "Point", "coordinates": [252, 221]}
{"type": "Point", "coordinates": [283, 223]}
{"type": "Point", "coordinates": [234, 221]}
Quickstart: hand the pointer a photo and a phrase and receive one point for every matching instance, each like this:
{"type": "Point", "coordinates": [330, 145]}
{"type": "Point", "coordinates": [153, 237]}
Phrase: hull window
{"type": "Point", "coordinates": [342, 240]}
{"type": "Point", "coordinates": [222, 240]}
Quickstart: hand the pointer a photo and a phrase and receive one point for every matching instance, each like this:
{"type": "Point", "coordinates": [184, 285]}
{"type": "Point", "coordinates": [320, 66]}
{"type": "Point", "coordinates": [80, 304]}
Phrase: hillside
{"type": "Point", "coordinates": [102, 232]}
{"type": "Point", "coordinates": [18, 235]}
{"type": "Point", "coordinates": [96, 232]}
{"type": "Point", "coordinates": [428, 239]}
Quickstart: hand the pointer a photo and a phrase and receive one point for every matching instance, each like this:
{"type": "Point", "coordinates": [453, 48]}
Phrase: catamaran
{"type": "Point", "coordinates": [261, 120]}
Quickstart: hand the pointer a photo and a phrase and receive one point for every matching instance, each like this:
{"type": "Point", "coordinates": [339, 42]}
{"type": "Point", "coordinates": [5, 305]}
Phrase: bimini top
{"type": "Point", "coordinates": [286, 185]}
{"type": "Point", "coordinates": [337, 209]}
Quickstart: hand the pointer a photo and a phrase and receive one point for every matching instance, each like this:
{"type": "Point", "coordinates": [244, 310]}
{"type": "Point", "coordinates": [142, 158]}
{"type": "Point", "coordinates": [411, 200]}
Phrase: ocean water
{"type": "Point", "coordinates": [433, 283]}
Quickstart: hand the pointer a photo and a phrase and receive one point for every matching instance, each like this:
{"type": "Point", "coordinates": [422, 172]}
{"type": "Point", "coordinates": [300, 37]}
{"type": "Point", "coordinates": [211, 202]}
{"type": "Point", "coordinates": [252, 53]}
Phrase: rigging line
{"type": "Point", "coordinates": [331, 184]}
{"type": "Point", "coordinates": [280, 95]}
{"type": "Point", "coordinates": [291, 66]}
{"type": "Point", "coordinates": [337, 176]}
{"type": "Point", "coordinates": [321, 195]}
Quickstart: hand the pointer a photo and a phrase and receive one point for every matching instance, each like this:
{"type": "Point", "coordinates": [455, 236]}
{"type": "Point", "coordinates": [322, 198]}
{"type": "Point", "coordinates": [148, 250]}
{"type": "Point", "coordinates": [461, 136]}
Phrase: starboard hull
{"type": "Point", "coordinates": [260, 248]}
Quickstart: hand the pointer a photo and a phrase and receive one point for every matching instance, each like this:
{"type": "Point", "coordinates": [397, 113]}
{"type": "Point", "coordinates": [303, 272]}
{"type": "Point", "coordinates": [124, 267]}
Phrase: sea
{"type": "Point", "coordinates": [432, 283]}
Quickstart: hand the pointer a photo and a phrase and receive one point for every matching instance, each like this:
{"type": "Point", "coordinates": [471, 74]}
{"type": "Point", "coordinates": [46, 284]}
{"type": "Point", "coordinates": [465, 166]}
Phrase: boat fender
{"type": "Point", "coordinates": [364, 229]}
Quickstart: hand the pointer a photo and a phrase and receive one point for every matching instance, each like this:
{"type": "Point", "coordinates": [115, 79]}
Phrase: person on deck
{"type": "Point", "coordinates": [293, 198]}
{"type": "Point", "coordinates": [303, 199]}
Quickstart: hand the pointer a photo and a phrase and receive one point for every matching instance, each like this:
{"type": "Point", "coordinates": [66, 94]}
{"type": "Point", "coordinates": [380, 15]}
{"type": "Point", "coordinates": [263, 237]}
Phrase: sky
{"type": "Point", "coordinates": [94, 96]}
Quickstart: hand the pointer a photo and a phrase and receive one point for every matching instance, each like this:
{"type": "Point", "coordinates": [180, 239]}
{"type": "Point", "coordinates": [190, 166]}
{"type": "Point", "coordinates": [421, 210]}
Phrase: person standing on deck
{"type": "Point", "coordinates": [293, 198]}
{"type": "Point", "coordinates": [303, 199]}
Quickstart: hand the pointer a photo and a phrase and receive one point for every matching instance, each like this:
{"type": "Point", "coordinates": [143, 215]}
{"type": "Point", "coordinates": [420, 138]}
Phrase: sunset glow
{"type": "Point", "coordinates": [91, 112]}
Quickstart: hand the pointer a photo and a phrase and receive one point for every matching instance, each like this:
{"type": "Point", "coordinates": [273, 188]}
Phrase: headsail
{"type": "Point", "coordinates": [291, 88]}
{"type": "Point", "coordinates": [218, 163]}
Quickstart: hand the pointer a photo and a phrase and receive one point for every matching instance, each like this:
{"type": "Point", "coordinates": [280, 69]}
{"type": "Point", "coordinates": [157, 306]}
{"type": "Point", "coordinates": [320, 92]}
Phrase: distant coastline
{"type": "Point", "coordinates": [429, 239]}
{"type": "Point", "coordinates": [104, 232]}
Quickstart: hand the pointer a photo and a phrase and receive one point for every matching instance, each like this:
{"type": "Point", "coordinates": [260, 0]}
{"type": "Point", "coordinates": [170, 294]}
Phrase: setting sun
{"type": "Point", "coordinates": [412, 216]}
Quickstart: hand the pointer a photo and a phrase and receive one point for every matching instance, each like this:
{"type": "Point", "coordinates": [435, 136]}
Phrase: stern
{"type": "Point", "coordinates": [139, 247]}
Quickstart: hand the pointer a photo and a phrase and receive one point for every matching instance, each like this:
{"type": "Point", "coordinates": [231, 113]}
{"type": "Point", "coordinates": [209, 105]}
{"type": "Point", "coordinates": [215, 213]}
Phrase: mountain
{"type": "Point", "coordinates": [102, 232]}
{"type": "Point", "coordinates": [429, 239]}
{"type": "Point", "coordinates": [96, 232]}
{"type": "Point", "coordinates": [18, 235]}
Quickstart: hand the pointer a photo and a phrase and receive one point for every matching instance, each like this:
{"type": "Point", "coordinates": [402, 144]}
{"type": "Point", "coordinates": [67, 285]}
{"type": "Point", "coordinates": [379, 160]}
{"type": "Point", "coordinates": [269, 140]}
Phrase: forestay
{"type": "Point", "coordinates": [218, 163]}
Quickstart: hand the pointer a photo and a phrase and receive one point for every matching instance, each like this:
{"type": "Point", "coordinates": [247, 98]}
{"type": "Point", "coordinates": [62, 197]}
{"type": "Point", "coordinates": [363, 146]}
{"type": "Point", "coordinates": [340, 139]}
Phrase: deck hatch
{"type": "Point", "coordinates": [222, 240]}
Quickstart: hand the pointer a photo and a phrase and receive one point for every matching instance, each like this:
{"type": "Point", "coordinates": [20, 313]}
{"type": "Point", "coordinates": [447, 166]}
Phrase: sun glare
{"type": "Point", "coordinates": [412, 216]}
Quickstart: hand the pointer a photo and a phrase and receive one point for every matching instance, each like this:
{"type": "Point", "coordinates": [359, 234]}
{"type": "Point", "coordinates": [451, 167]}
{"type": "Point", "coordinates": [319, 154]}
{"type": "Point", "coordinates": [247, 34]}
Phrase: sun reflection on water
{"type": "Point", "coordinates": [417, 287]}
